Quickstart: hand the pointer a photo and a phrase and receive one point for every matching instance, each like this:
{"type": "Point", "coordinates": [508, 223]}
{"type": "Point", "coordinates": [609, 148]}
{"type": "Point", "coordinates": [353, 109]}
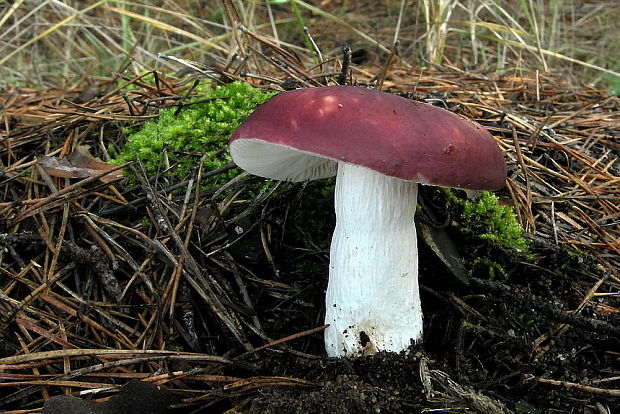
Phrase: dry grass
{"type": "Point", "coordinates": [53, 43]}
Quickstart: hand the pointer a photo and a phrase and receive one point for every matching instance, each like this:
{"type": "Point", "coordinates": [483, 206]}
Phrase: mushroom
{"type": "Point", "coordinates": [379, 146]}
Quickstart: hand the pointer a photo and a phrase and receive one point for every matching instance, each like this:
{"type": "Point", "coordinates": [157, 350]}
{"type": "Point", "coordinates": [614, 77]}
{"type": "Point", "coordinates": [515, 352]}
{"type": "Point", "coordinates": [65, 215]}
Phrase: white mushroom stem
{"type": "Point", "coordinates": [373, 299]}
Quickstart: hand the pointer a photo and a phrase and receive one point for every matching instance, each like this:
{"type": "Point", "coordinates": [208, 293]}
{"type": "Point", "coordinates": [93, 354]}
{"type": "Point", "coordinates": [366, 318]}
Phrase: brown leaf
{"type": "Point", "coordinates": [79, 164]}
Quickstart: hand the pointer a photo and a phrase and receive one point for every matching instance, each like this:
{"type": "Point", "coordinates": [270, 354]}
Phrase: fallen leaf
{"type": "Point", "coordinates": [79, 164]}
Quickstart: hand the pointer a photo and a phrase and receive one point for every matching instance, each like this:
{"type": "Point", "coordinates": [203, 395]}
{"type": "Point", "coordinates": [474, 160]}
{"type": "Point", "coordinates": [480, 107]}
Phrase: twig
{"type": "Point", "coordinates": [346, 62]}
{"type": "Point", "coordinates": [606, 392]}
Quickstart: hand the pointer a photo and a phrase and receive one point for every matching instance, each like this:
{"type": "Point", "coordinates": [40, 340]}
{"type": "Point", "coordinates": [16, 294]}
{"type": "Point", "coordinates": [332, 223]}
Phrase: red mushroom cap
{"type": "Point", "coordinates": [300, 135]}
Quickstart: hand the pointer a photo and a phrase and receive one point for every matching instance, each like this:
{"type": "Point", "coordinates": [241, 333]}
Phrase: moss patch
{"type": "Point", "coordinates": [484, 218]}
{"type": "Point", "coordinates": [492, 238]}
{"type": "Point", "coordinates": [200, 128]}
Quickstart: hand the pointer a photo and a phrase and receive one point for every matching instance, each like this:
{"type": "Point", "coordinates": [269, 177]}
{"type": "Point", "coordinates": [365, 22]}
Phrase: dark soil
{"type": "Point", "coordinates": [134, 397]}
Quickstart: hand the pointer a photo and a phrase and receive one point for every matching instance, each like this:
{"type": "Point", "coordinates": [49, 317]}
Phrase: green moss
{"type": "Point", "coordinates": [200, 128]}
{"type": "Point", "coordinates": [484, 218]}
{"type": "Point", "coordinates": [491, 269]}
{"type": "Point", "coordinates": [493, 235]}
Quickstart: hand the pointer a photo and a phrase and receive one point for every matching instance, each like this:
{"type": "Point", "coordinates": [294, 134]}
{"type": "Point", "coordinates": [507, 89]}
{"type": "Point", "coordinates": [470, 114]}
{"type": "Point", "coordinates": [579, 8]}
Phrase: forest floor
{"type": "Point", "coordinates": [216, 295]}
